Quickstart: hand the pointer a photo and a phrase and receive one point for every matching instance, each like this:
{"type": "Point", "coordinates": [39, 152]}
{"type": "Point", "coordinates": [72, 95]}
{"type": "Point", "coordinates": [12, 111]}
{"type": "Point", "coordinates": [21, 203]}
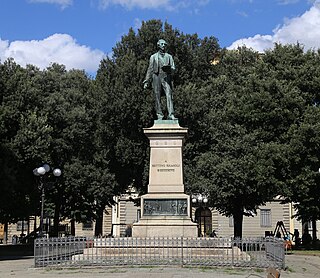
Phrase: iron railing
{"type": "Point", "coordinates": [84, 251]}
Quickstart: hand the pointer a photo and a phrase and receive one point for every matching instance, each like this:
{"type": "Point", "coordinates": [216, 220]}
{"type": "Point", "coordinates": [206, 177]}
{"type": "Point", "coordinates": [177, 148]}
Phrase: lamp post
{"type": "Point", "coordinates": [42, 172]}
{"type": "Point", "coordinates": [199, 198]}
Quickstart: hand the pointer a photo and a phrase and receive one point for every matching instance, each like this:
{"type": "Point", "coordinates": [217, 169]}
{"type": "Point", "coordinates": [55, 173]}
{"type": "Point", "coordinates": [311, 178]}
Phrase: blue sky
{"type": "Point", "coordinates": [78, 33]}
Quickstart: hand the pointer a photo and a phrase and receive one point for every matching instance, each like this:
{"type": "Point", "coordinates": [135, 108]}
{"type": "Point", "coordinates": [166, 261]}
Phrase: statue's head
{"type": "Point", "coordinates": [162, 44]}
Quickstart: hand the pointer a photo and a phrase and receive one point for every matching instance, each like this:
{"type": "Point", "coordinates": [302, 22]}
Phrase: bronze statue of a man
{"type": "Point", "coordinates": [161, 68]}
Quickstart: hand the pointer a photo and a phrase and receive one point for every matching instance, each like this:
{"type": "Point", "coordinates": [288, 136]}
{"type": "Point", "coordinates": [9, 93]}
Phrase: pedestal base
{"type": "Point", "coordinates": [165, 215]}
{"type": "Point", "coordinates": [165, 226]}
{"type": "Point", "coordinates": [165, 210]}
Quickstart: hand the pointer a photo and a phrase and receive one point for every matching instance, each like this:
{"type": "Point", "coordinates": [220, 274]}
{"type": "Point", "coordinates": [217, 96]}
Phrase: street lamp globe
{"type": "Point", "coordinates": [35, 172]}
{"type": "Point", "coordinates": [41, 170]}
{"type": "Point", "coordinates": [57, 172]}
{"type": "Point", "coordinates": [46, 167]}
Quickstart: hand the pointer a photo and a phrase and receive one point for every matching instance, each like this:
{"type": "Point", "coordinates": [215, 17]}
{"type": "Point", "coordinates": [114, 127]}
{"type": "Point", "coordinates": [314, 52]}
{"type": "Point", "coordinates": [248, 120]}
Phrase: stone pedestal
{"type": "Point", "coordinates": [165, 210]}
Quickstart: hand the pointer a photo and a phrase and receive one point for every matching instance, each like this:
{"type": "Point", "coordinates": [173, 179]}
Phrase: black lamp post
{"type": "Point", "coordinates": [200, 200]}
{"type": "Point", "coordinates": [42, 172]}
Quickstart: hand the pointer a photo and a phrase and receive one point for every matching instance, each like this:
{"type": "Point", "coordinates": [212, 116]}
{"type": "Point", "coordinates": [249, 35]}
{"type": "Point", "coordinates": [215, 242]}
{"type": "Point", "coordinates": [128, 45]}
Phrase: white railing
{"type": "Point", "coordinates": [84, 251]}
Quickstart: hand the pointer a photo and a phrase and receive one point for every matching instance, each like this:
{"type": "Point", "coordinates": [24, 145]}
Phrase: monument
{"type": "Point", "coordinates": [165, 209]}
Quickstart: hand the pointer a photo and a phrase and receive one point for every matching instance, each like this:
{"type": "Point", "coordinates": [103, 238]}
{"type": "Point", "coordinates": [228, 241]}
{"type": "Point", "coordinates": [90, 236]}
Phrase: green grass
{"type": "Point", "coordinates": [306, 252]}
{"type": "Point", "coordinates": [228, 269]}
{"type": "Point", "coordinates": [289, 269]}
{"type": "Point", "coordinates": [117, 270]}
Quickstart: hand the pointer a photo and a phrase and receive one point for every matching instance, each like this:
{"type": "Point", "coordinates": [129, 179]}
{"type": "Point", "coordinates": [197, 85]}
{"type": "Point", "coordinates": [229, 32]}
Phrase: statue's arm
{"type": "Point", "coordinates": [173, 67]}
{"type": "Point", "coordinates": [149, 73]}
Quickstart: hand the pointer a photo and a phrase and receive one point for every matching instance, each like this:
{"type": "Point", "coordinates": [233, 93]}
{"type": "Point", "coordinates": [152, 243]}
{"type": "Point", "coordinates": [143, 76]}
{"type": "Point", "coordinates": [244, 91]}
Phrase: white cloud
{"type": "Point", "coordinates": [287, 2]}
{"type": "Point", "coordinates": [203, 2]}
{"type": "Point", "coordinates": [258, 42]}
{"type": "Point", "coordinates": [304, 29]}
{"type": "Point", "coordinates": [58, 48]}
{"type": "Point", "coordinates": [242, 13]}
{"type": "Point", "coordinates": [3, 46]}
{"type": "Point", "coordinates": [129, 4]}
{"type": "Point", "coordinates": [63, 3]}
{"type": "Point", "coordinates": [137, 24]}
{"type": "Point", "coordinates": [169, 5]}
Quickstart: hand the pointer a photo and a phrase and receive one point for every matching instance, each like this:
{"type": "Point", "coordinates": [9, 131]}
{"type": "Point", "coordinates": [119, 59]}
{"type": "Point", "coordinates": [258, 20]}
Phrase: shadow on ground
{"type": "Point", "coordinates": [13, 252]}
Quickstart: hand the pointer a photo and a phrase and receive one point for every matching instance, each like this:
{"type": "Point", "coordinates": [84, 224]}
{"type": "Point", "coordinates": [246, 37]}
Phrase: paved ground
{"type": "Point", "coordinates": [297, 266]}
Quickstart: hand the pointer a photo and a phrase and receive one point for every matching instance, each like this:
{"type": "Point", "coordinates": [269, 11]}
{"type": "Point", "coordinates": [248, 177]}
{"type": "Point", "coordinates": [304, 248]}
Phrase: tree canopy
{"type": "Point", "coordinates": [252, 120]}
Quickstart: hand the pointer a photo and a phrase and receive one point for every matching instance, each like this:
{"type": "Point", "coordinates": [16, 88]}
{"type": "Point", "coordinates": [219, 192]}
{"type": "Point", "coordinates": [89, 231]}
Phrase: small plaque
{"type": "Point", "coordinates": [165, 207]}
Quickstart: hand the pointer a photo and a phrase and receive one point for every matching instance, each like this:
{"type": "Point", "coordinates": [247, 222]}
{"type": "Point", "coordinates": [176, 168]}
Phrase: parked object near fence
{"type": "Point", "coordinates": [74, 251]}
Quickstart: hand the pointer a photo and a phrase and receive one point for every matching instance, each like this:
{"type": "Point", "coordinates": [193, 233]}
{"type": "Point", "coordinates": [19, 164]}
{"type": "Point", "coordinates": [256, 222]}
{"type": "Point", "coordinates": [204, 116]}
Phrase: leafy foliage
{"type": "Point", "coordinates": [252, 120]}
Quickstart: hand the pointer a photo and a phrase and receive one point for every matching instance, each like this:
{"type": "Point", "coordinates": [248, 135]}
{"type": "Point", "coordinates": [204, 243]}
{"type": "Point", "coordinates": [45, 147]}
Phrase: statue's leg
{"type": "Point", "coordinates": [168, 92]}
{"type": "Point", "coordinates": [157, 95]}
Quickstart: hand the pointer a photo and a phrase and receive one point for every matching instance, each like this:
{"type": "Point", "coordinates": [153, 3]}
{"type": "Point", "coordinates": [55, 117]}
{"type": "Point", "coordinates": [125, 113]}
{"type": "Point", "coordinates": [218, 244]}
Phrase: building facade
{"type": "Point", "coordinates": [118, 220]}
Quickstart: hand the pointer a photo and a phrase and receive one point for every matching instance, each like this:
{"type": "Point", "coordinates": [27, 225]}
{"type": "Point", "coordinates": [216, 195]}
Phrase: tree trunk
{"type": "Point", "coordinates": [73, 227]}
{"type": "Point", "coordinates": [35, 223]}
{"type": "Point", "coordinates": [56, 219]}
{"type": "Point", "coordinates": [99, 223]}
{"type": "Point", "coordinates": [314, 230]}
{"type": "Point", "coordinates": [306, 238]}
{"type": "Point", "coordinates": [28, 221]}
{"type": "Point", "coordinates": [22, 228]}
{"type": "Point", "coordinates": [305, 228]}
{"type": "Point", "coordinates": [237, 223]}
{"type": "Point", "coordinates": [5, 240]}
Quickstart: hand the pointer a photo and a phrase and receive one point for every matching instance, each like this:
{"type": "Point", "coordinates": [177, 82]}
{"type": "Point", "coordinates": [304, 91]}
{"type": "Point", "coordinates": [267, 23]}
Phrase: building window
{"type": "Point", "coordinates": [21, 226]}
{"type": "Point", "coordinates": [231, 221]}
{"type": "Point", "coordinates": [265, 217]}
{"type": "Point", "coordinates": [87, 226]}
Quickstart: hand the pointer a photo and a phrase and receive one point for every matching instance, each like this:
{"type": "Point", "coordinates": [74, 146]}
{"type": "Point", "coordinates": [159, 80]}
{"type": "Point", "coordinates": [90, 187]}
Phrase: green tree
{"type": "Point", "coordinates": [87, 186]}
{"type": "Point", "coordinates": [50, 117]}
{"type": "Point", "coordinates": [300, 70]}
{"type": "Point", "coordinates": [304, 180]}
{"type": "Point", "coordinates": [21, 125]}
{"type": "Point", "coordinates": [246, 117]}
{"type": "Point", "coordinates": [249, 116]}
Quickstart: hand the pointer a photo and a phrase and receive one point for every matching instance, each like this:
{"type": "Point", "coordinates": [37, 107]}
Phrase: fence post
{"type": "Point", "coordinates": [283, 260]}
{"type": "Point", "coordinates": [232, 252]}
{"type": "Point", "coordinates": [34, 252]}
{"type": "Point", "coordinates": [182, 263]}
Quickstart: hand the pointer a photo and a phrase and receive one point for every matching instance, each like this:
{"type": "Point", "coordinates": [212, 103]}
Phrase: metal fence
{"type": "Point", "coordinates": [84, 251]}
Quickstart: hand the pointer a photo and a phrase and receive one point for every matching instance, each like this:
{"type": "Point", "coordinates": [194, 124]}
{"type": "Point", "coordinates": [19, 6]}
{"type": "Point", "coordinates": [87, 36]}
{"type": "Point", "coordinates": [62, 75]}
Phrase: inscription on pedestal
{"type": "Point", "coordinates": [165, 167]}
{"type": "Point", "coordinates": [165, 207]}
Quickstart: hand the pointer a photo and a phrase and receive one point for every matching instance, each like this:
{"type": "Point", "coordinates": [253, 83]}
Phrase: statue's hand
{"type": "Point", "coordinates": [145, 84]}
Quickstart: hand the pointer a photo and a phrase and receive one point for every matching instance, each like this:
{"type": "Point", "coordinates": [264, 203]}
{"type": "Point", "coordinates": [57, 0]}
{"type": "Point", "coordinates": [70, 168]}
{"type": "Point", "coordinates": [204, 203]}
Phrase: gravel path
{"type": "Point", "coordinates": [297, 266]}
